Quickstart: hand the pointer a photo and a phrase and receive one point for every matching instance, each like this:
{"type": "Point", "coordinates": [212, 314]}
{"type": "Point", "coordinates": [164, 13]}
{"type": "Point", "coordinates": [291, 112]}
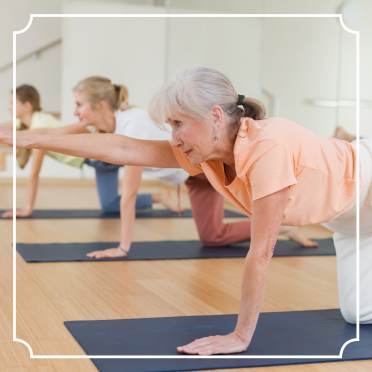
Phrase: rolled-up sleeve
{"type": "Point", "coordinates": [184, 162]}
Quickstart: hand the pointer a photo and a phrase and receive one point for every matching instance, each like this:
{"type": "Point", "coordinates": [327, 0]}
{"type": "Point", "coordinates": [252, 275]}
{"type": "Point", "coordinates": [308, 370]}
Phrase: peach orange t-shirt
{"type": "Point", "coordinates": [276, 153]}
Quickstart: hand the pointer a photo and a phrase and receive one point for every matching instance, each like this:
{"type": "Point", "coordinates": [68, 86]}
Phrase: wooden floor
{"type": "Point", "coordinates": [49, 294]}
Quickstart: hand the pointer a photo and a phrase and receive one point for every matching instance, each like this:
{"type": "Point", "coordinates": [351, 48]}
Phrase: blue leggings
{"type": "Point", "coordinates": [107, 183]}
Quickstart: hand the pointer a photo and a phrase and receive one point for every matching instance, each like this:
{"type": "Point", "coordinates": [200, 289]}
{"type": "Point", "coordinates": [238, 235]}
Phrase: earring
{"type": "Point", "coordinates": [215, 137]}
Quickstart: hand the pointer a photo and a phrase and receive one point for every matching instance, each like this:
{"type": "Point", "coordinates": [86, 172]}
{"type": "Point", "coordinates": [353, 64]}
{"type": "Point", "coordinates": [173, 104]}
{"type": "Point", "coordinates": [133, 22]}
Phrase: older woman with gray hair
{"type": "Point", "coordinates": [272, 169]}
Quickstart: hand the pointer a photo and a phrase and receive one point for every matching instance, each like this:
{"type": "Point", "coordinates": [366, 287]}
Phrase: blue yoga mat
{"type": "Point", "coordinates": [161, 250]}
{"type": "Point", "coordinates": [297, 333]}
{"type": "Point", "coordinates": [96, 213]}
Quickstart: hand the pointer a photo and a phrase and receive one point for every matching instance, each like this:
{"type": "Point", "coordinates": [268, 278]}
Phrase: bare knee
{"type": "Point", "coordinates": [211, 238]}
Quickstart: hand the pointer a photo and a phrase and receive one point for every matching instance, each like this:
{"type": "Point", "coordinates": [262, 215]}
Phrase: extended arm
{"type": "Point", "coordinates": [67, 129]}
{"type": "Point", "coordinates": [266, 220]}
{"type": "Point", "coordinates": [111, 148]}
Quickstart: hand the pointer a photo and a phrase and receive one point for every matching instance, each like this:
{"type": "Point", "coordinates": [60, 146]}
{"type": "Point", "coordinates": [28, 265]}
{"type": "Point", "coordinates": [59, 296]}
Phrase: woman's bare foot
{"type": "Point", "coordinates": [164, 198]}
{"type": "Point", "coordinates": [342, 134]}
{"type": "Point", "coordinates": [297, 236]}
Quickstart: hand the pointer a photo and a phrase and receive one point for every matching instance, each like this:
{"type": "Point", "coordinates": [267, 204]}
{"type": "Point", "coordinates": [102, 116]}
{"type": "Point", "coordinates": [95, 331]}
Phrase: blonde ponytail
{"type": "Point", "coordinates": [122, 97]}
{"type": "Point", "coordinates": [99, 88]}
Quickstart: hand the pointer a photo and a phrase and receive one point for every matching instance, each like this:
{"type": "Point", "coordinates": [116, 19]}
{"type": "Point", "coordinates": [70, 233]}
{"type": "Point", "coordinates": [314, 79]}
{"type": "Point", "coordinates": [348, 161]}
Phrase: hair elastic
{"type": "Point", "coordinates": [240, 101]}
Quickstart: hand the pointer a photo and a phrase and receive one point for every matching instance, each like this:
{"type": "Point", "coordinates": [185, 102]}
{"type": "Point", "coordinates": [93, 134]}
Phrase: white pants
{"type": "Point", "coordinates": [344, 237]}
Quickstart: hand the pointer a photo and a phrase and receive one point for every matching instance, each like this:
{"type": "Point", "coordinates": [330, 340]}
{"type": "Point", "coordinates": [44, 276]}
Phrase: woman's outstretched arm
{"type": "Point", "coordinates": [66, 129]}
{"type": "Point", "coordinates": [111, 148]}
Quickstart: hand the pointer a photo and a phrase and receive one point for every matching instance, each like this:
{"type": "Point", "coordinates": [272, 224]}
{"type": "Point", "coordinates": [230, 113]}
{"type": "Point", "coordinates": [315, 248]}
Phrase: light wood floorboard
{"type": "Point", "coordinates": [49, 294]}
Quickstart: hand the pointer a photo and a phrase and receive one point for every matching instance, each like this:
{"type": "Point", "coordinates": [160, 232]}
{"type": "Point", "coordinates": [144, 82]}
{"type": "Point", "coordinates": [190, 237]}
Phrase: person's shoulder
{"type": "Point", "coordinates": [279, 129]}
{"type": "Point", "coordinates": [132, 114]}
{"type": "Point", "coordinates": [252, 132]}
{"type": "Point", "coordinates": [278, 121]}
{"type": "Point", "coordinates": [42, 119]}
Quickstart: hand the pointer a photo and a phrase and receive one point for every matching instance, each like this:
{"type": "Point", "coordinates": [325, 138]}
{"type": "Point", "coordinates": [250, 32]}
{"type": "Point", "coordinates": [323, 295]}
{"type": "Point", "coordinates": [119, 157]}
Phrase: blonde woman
{"type": "Point", "coordinates": [271, 168]}
{"type": "Point", "coordinates": [102, 107]}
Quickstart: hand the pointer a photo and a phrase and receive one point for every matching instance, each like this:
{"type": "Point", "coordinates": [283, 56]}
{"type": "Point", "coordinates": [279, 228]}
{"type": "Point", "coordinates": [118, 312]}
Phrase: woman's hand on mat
{"type": "Point", "coordinates": [108, 253]}
{"type": "Point", "coordinates": [227, 344]}
{"type": "Point", "coordinates": [25, 212]}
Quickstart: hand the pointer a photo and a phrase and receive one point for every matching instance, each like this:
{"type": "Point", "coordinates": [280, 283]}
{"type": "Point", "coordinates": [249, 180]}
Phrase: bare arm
{"type": "Point", "coordinates": [32, 186]}
{"type": "Point", "coordinates": [67, 129]}
{"type": "Point", "coordinates": [38, 156]}
{"type": "Point", "coordinates": [115, 149]}
{"type": "Point", "coordinates": [266, 220]}
{"type": "Point", "coordinates": [6, 132]}
{"type": "Point", "coordinates": [267, 215]}
{"type": "Point", "coordinates": [129, 189]}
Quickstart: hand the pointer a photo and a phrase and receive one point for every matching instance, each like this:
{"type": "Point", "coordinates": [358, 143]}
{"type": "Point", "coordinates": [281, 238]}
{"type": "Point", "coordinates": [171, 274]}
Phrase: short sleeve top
{"type": "Point", "coordinates": [276, 153]}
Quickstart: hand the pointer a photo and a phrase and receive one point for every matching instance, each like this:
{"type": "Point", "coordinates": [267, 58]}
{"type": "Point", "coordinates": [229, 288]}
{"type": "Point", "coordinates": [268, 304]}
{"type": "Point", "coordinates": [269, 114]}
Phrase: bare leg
{"type": "Point", "coordinates": [208, 211]}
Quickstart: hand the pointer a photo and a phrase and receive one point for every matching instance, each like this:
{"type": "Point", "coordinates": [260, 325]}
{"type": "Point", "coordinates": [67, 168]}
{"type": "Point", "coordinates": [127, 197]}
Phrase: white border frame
{"type": "Point", "coordinates": [197, 15]}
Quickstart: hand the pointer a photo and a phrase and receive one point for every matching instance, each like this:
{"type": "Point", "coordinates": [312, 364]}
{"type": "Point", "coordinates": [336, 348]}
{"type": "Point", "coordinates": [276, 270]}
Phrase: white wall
{"type": "Point", "coordinates": [129, 51]}
{"type": "Point", "coordinates": [15, 16]}
{"type": "Point", "coordinates": [295, 59]}
{"type": "Point", "coordinates": [362, 21]}
{"type": "Point", "coordinates": [216, 6]}
{"type": "Point", "coordinates": [300, 61]}
{"type": "Point", "coordinates": [217, 43]}
{"type": "Point", "coordinates": [44, 70]}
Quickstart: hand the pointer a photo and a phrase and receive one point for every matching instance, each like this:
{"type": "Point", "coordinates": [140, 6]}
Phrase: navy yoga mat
{"type": "Point", "coordinates": [96, 213]}
{"type": "Point", "coordinates": [297, 333]}
{"type": "Point", "coordinates": [161, 250]}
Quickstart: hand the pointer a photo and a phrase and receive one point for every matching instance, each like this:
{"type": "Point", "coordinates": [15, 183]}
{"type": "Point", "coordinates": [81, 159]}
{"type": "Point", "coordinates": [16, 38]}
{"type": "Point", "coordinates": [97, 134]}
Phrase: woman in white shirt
{"type": "Point", "coordinates": [31, 116]}
{"type": "Point", "coordinates": [104, 105]}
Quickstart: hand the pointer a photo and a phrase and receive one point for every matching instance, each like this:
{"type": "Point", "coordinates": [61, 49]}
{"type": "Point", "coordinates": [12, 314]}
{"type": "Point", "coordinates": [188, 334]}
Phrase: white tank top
{"type": "Point", "coordinates": [136, 123]}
